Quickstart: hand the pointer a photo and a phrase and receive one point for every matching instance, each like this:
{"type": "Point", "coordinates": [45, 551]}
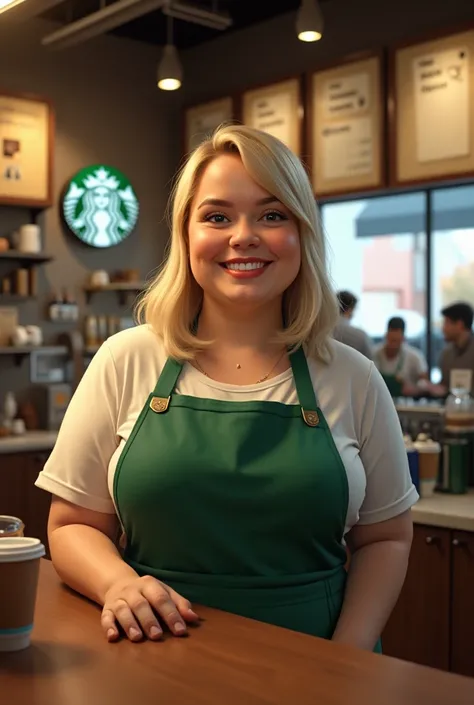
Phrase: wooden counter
{"type": "Point", "coordinates": [226, 660]}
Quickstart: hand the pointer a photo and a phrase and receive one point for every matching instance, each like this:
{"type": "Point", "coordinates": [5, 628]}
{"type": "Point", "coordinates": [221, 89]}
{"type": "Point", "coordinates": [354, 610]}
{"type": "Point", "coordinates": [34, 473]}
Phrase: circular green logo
{"type": "Point", "coordinates": [100, 206]}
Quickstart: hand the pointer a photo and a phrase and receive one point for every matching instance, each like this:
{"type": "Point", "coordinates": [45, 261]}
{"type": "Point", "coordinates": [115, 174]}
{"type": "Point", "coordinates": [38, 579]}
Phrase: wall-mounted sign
{"type": "Point", "coordinates": [276, 109]}
{"type": "Point", "coordinates": [432, 125]}
{"type": "Point", "coordinates": [347, 127]}
{"type": "Point", "coordinates": [202, 120]}
{"type": "Point", "coordinates": [100, 206]}
{"type": "Point", "coordinates": [26, 145]}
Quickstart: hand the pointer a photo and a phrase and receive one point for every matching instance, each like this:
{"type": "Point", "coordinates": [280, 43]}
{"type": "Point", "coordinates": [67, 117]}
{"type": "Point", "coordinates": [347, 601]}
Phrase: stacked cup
{"type": "Point", "coordinates": [19, 568]}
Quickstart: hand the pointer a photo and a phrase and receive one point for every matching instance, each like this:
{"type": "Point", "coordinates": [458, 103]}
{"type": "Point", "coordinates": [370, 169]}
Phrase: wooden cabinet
{"type": "Point", "coordinates": [462, 607]}
{"type": "Point", "coordinates": [19, 496]}
{"type": "Point", "coordinates": [433, 621]}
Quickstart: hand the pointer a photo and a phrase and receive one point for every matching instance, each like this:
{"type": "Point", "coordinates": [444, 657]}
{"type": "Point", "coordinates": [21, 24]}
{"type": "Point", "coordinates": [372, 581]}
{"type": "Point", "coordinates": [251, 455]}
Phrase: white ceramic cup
{"type": "Point", "coordinates": [20, 336]}
{"type": "Point", "coordinates": [35, 335]}
{"type": "Point", "coordinates": [29, 238]}
{"type": "Point", "coordinates": [18, 427]}
{"type": "Point", "coordinates": [99, 278]}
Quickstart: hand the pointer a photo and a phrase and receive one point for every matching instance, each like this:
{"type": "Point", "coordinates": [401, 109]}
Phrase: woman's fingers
{"type": "Point", "coordinates": [109, 625]}
{"type": "Point", "coordinates": [162, 602]}
{"type": "Point", "coordinates": [126, 619]}
{"type": "Point", "coordinates": [184, 606]}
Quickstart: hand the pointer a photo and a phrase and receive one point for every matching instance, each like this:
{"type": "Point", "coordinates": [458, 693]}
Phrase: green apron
{"type": "Point", "coordinates": [394, 381]}
{"type": "Point", "coordinates": [239, 506]}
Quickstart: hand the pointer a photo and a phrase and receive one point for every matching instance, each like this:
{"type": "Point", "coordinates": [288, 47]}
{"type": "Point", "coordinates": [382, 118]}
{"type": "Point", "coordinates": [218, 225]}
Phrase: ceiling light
{"type": "Point", "coordinates": [170, 71]}
{"type": "Point", "coordinates": [309, 21]}
{"type": "Point", "coordinates": [100, 22]}
{"type": "Point", "coordinates": [22, 9]}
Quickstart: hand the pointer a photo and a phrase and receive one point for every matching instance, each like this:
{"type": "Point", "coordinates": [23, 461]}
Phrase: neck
{"type": "Point", "coordinates": [238, 328]}
{"type": "Point", "coordinates": [391, 354]}
{"type": "Point", "coordinates": [462, 338]}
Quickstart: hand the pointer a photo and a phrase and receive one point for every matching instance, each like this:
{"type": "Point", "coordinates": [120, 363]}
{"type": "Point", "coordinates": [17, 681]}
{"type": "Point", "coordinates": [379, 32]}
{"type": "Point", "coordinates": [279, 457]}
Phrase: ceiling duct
{"type": "Point", "coordinates": [197, 15]}
{"type": "Point", "coordinates": [100, 22]}
{"type": "Point", "coordinates": [20, 10]}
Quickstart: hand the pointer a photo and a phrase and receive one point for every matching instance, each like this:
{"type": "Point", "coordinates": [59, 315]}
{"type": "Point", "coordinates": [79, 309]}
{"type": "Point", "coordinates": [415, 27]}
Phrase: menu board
{"type": "Point", "coordinates": [346, 127]}
{"type": "Point", "coordinates": [26, 135]}
{"type": "Point", "coordinates": [276, 109]}
{"type": "Point", "coordinates": [433, 123]}
{"type": "Point", "coordinates": [202, 120]}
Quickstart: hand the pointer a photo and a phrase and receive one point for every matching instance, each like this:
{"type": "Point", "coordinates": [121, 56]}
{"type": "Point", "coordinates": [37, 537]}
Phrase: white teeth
{"type": "Point", "coordinates": [244, 266]}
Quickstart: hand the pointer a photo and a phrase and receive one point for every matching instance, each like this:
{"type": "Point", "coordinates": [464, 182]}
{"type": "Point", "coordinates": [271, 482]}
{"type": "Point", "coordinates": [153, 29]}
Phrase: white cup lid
{"type": "Point", "coordinates": [18, 548]}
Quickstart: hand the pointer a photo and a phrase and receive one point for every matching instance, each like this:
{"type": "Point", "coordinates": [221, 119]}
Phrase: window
{"type": "Point", "coordinates": [377, 250]}
{"type": "Point", "coordinates": [452, 257]}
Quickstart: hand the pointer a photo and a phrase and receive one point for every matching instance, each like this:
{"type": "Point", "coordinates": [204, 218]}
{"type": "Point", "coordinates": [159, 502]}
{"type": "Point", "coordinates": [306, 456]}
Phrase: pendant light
{"type": "Point", "coordinates": [309, 21]}
{"type": "Point", "coordinates": [170, 72]}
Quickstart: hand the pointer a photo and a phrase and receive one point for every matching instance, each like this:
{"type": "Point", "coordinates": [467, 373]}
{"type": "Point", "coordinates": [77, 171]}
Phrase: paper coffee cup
{"type": "Point", "coordinates": [19, 567]}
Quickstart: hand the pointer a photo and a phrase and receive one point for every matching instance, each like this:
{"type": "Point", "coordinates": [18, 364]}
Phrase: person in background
{"type": "Point", "coordinates": [402, 366]}
{"type": "Point", "coordinates": [459, 353]}
{"type": "Point", "coordinates": [345, 332]}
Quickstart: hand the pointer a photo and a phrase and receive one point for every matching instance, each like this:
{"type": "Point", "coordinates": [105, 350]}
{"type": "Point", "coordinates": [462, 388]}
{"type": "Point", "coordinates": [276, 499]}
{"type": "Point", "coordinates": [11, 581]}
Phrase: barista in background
{"type": "Point", "coordinates": [345, 332]}
{"type": "Point", "coordinates": [459, 353]}
{"type": "Point", "coordinates": [402, 366]}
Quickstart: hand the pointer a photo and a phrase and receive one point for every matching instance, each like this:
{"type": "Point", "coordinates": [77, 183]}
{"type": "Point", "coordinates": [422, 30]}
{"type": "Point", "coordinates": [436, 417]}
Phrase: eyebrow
{"type": "Point", "coordinates": [229, 204]}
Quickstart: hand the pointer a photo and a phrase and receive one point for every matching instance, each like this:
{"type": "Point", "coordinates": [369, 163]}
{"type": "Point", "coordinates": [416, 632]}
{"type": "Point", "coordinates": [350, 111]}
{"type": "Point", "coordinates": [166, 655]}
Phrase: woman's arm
{"type": "Point", "coordinates": [379, 561]}
{"type": "Point", "coordinates": [86, 558]}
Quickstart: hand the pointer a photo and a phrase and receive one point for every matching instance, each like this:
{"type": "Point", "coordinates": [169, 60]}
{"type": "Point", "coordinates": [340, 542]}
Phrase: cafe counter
{"type": "Point", "coordinates": [227, 659]}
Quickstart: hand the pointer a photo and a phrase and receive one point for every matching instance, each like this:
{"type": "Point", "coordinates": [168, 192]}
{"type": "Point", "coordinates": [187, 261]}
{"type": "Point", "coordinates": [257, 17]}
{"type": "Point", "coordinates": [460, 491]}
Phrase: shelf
{"type": "Point", "coordinates": [123, 289]}
{"type": "Point", "coordinates": [6, 299]}
{"type": "Point", "coordinates": [13, 259]}
{"type": "Point", "coordinates": [19, 352]}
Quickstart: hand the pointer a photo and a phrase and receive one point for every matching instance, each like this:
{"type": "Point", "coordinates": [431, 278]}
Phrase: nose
{"type": "Point", "coordinates": [244, 235]}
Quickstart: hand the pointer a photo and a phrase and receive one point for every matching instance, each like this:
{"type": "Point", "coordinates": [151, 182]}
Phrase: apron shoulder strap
{"type": "Point", "coordinates": [304, 388]}
{"type": "Point", "coordinates": [168, 378]}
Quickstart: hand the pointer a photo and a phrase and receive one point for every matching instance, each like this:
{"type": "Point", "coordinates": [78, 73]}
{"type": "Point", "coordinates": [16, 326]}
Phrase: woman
{"type": "Point", "coordinates": [234, 443]}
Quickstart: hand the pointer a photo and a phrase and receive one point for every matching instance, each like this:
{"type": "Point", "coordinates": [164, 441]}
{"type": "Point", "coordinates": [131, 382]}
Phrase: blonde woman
{"type": "Point", "coordinates": [237, 446]}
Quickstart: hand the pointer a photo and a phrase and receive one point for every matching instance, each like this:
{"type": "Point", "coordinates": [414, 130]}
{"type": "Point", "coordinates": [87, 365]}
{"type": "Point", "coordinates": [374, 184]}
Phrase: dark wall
{"type": "Point", "coordinates": [272, 51]}
{"type": "Point", "coordinates": [108, 110]}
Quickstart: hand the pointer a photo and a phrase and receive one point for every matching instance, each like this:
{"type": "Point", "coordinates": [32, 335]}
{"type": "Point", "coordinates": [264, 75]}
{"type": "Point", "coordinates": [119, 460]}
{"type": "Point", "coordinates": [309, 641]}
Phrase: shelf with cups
{"type": "Point", "coordinates": [10, 260]}
{"type": "Point", "coordinates": [123, 289]}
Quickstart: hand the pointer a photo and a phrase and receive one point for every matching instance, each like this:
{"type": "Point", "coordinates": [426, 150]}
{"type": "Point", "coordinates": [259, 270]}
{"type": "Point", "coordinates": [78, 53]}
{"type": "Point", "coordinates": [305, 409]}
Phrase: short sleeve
{"type": "Point", "coordinates": [77, 468]}
{"type": "Point", "coordinates": [389, 490]}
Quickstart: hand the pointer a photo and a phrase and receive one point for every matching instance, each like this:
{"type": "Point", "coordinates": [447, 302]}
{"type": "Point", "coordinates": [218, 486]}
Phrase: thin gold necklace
{"type": "Point", "coordinates": [262, 379]}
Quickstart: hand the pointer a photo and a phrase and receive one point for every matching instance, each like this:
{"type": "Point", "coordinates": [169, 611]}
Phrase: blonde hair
{"type": "Point", "coordinates": [173, 298]}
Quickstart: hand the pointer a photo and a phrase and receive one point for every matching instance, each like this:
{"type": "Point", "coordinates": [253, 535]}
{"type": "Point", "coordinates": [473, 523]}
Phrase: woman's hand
{"type": "Point", "coordinates": [134, 602]}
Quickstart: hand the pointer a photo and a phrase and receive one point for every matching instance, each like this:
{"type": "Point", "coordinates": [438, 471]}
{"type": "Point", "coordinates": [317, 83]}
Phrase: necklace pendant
{"type": "Point", "coordinates": [238, 366]}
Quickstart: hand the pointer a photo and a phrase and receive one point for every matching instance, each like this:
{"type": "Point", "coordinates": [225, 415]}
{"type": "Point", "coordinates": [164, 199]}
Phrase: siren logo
{"type": "Point", "coordinates": [100, 206]}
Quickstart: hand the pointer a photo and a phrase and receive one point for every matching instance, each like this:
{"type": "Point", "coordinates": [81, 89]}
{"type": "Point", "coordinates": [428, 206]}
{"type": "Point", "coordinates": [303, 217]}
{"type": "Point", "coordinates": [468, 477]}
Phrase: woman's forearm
{"type": "Point", "coordinates": [376, 576]}
{"type": "Point", "coordinates": [87, 560]}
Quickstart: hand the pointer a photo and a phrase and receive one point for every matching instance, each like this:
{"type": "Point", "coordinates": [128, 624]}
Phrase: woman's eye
{"type": "Point", "coordinates": [274, 217]}
{"type": "Point", "coordinates": [217, 218]}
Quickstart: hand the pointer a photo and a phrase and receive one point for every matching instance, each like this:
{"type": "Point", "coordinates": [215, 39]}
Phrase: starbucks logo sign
{"type": "Point", "coordinates": [100, 206]}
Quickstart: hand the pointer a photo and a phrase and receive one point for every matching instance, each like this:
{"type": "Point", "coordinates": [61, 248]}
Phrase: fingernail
{"type": "Point", "coordinates": [193, 614]}
{"type": "Point", "coordinates": [134, 633]}
{"type": "Point", "coordinates": [155, 632]}
{"type": "Point", "coordinates": [179, 628]}
{"type": "Point", "coordinates": [111, 633]}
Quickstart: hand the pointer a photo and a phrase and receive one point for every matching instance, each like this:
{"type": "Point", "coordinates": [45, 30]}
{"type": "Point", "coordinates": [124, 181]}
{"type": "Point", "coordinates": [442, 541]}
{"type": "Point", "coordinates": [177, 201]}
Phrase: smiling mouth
{"type": "Point", "coordinates": [244, 266]}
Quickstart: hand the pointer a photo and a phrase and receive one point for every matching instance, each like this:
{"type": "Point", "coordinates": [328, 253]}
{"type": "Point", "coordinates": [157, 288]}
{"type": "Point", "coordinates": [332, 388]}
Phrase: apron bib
{"type": "Point", "coordinates": [394, 381]}
{"type": "Point", "coordinates": [239, 506]}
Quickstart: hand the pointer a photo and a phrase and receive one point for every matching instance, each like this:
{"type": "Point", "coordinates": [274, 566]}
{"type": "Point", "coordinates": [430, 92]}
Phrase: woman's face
{"type": "Point", "coordinates": [244, 245]}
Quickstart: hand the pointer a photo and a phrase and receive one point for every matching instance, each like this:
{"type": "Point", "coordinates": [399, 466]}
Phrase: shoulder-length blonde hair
{"type": "Point", "coordinates": [173, 298]}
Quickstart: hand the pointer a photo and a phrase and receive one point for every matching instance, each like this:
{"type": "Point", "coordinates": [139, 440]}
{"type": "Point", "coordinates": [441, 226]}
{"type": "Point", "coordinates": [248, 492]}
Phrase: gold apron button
{"type": "Point", "coordinates": [311, 418]}
{"type": "Point", "coordinates": [159, 404]}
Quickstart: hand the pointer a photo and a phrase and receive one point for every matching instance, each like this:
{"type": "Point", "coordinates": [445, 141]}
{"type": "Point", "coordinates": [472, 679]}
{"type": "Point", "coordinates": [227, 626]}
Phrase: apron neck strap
{"type": "Point", "coordinates": [168, 378]}
{"type": "Point", "coordinates": [304, 385]}
{"type": "Point", "coordinates": [303, 382]}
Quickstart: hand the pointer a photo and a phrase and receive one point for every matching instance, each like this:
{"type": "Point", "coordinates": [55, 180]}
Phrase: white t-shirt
{"type": "Point", "coordinates": [116, 385]}
{"type": "Point", "coordinates": [413, 365]}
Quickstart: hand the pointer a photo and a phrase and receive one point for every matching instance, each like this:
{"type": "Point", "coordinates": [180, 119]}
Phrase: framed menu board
{"type": "Point", "coordinates": [26, 149]}
{"type": "Point", "coordinates": [346, 127]}
{"type": "Point", "coordinates": [276, 109]}
{"type": "Point", "coordinates": [202, 120]}
{"type": "Point", "coordinates": [432, 116]}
